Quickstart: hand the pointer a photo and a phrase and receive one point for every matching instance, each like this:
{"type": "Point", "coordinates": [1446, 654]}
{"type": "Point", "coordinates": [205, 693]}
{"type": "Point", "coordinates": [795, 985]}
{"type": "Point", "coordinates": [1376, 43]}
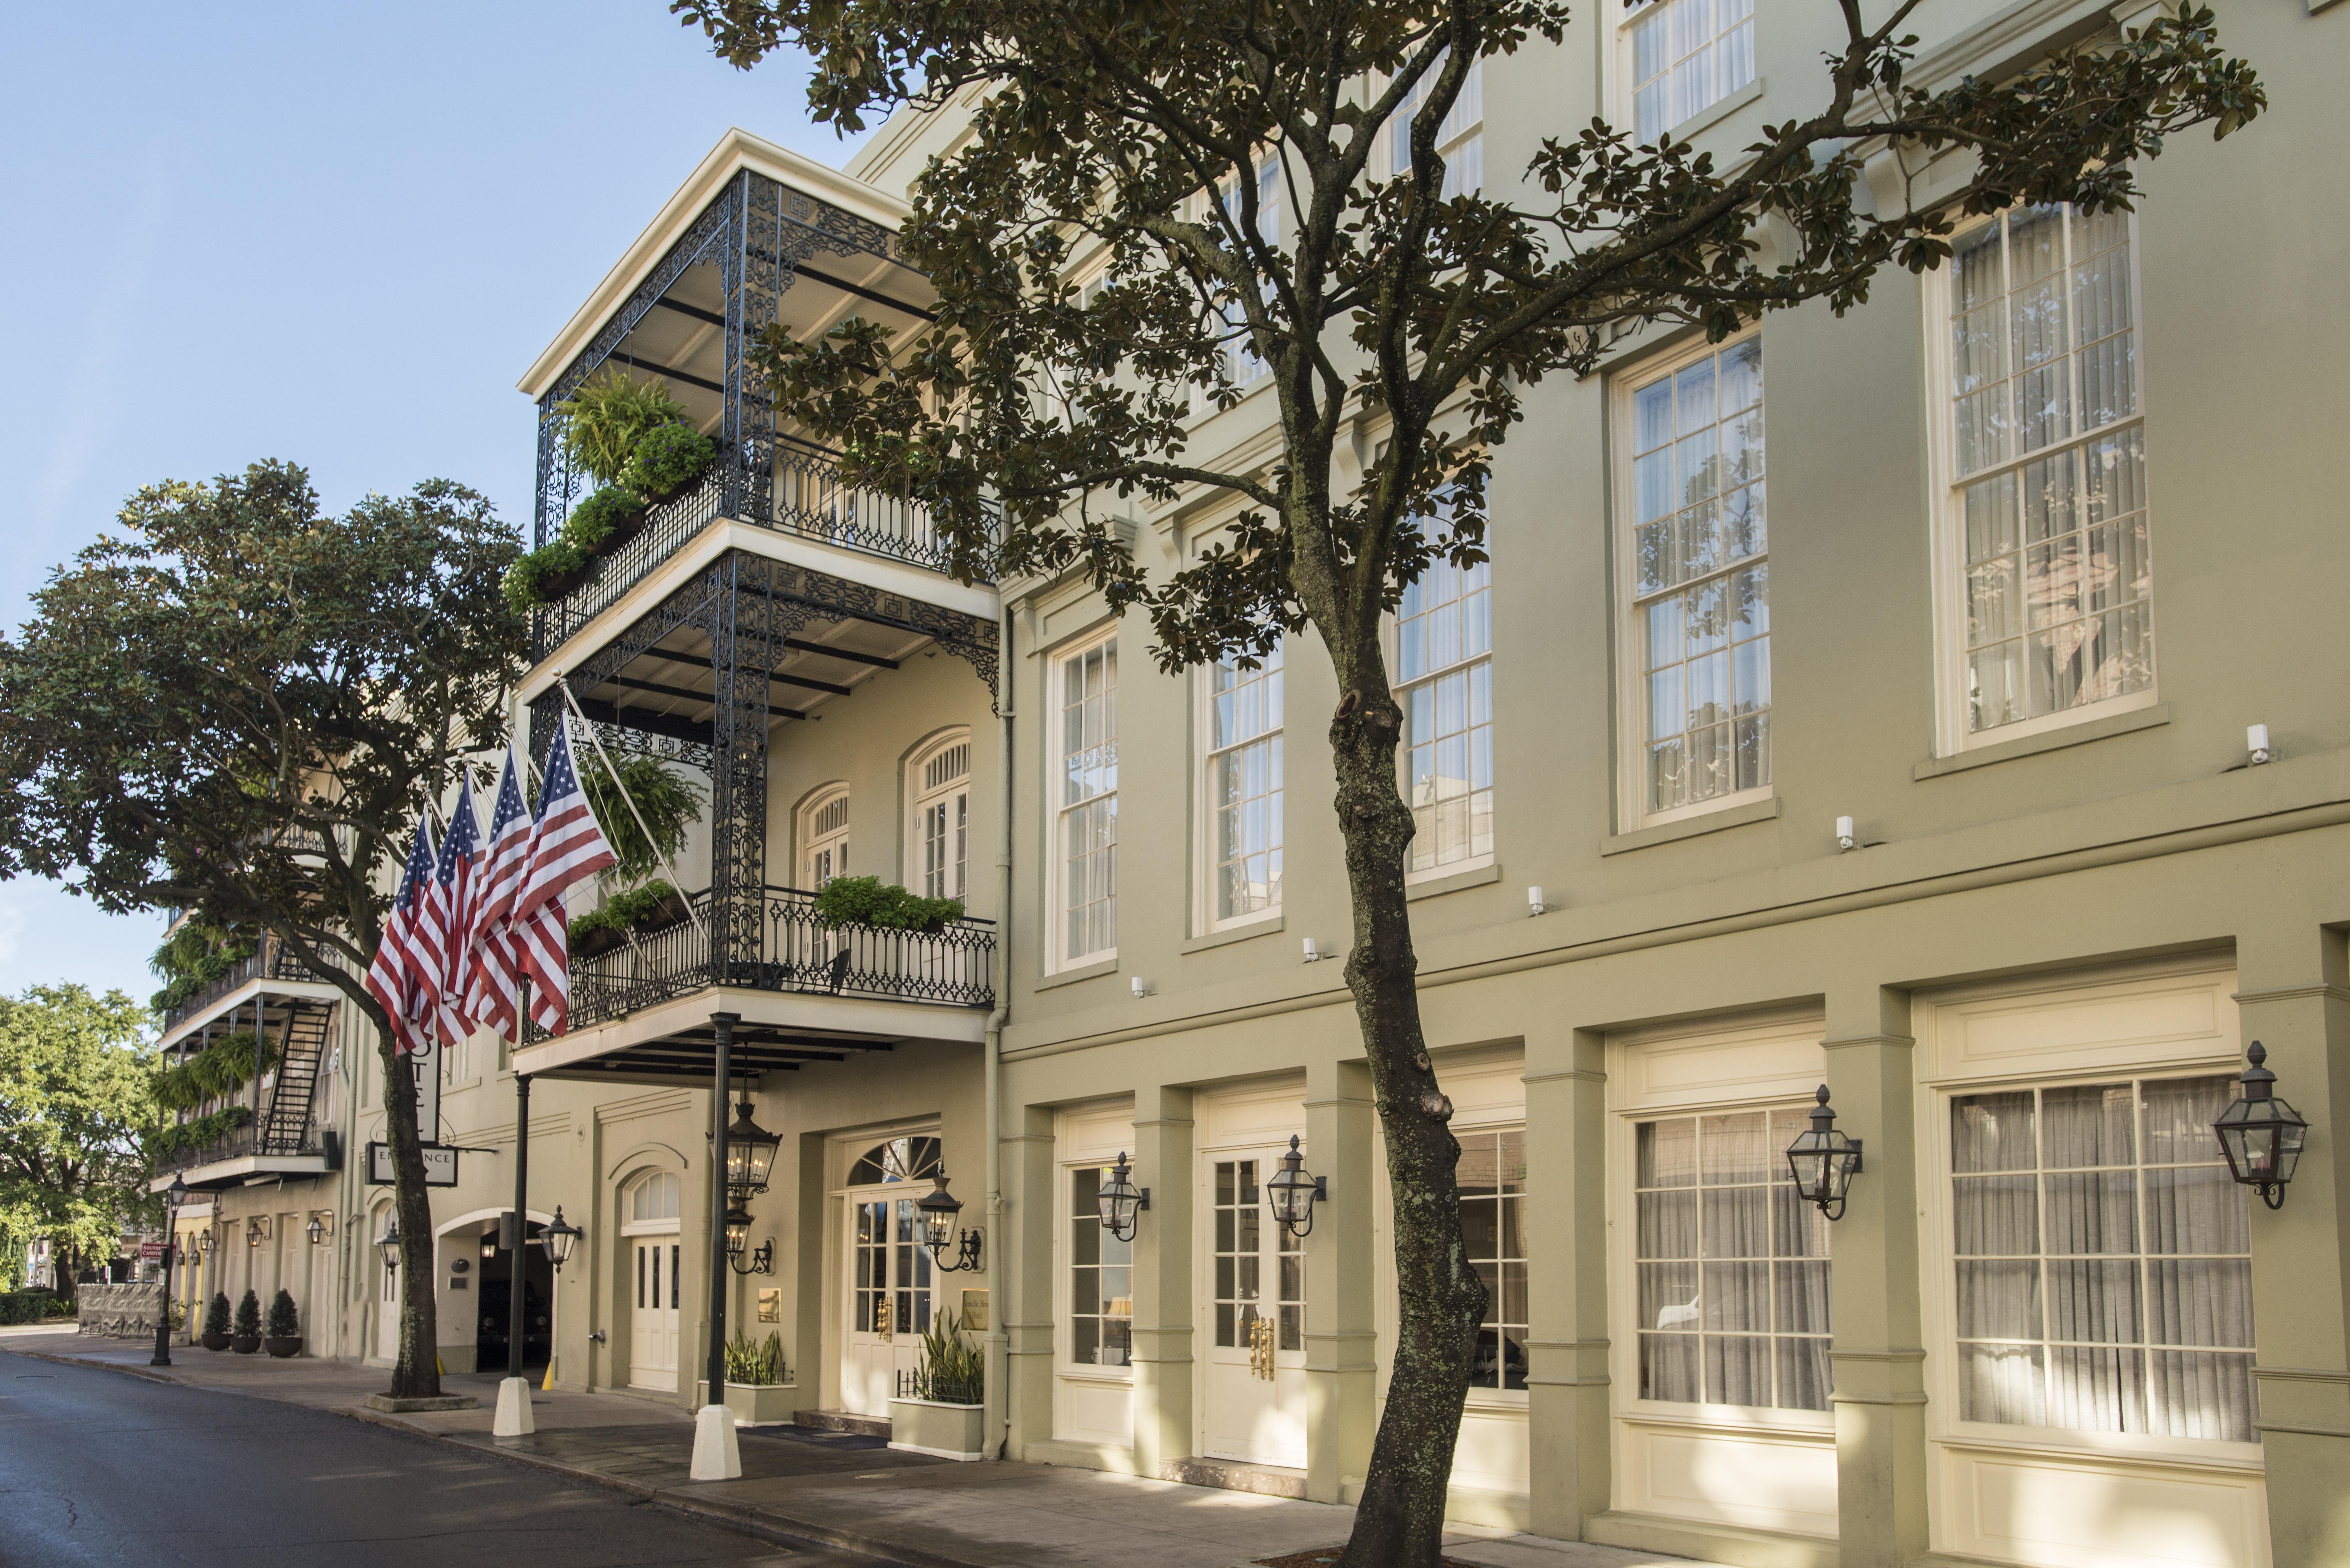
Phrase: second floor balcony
{"type": "Point", "coordinates": [271, 961]}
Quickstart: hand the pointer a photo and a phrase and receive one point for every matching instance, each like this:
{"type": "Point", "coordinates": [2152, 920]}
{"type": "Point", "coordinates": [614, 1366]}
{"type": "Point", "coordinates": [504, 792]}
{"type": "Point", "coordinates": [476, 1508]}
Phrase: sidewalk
{"type": "Point", "coordinates": [841, 1491]}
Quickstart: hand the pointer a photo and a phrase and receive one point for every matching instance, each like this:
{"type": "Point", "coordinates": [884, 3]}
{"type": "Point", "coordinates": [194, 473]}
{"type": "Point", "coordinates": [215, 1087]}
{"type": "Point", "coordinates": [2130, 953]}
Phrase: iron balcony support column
{"type": "Point", "coordinates": [720, 1080]}
{"type": "Point", "coordinates": [518, 1314]}
{"type": "Point", "coordinates": [740, 660]}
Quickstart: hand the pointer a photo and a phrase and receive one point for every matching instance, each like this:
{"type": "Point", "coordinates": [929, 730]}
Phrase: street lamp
{"type": "Point", "coordinates": [174, 1196]}
{"type": "Point", "coordinates": [738, 1236]}
{"type": "Point", "coordinates": [2260, 1134]}
{"type": "Point", "coordinates": [750, 1153]}
{"type": "Point", "coordinates": [938, 1210]}
{"type": "Point", "coordinates": [558, 1240]}
{"type": "Point", "coordinates": [1121, 1200]}
{"type": "Point", "coordinates": [1292, 1192]}
{"type": "Point", "coordinates": [1824, 1161]}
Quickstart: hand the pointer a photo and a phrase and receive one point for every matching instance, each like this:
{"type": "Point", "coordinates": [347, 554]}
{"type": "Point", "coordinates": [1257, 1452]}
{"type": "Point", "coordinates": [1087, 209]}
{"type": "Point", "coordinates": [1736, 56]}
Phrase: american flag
{"type": "Point", "coordinates": [567, 848]}
{"type": "Point", "coordinates": [456, 891]}
{"type": "Point", "coordinates": [390, 978]}
{"type": "Point", "coordinates": [492, 970]}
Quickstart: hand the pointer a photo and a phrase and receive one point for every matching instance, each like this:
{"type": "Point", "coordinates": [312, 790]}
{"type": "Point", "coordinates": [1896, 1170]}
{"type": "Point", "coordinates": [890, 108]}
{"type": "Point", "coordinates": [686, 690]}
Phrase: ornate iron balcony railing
{"type": "Point", "coordinates": [952, 966]}
{"type": "Point", "coordinates": [273, 960]}
{"type": "Point", "coordinates": [251, 1139]}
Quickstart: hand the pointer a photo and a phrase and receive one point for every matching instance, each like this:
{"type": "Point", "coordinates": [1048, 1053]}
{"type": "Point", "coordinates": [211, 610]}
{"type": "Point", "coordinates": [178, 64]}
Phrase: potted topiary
{"type": "Point", "coordinates": [284, 1337]}
{"type": "Point", "coordinates": [246, 1337]}
{"type": "Point", "coordinates": [217, 1323]}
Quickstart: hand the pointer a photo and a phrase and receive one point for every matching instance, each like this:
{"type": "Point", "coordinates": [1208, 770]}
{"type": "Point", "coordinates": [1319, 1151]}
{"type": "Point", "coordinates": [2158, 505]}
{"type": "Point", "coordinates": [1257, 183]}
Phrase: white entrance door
{"type": "Point", "coordinates": [653, 1320]}
{"type": "Point", "coordinates": [889, 1310]}
{"type": "Point", "coordinates": [1255, 1308]}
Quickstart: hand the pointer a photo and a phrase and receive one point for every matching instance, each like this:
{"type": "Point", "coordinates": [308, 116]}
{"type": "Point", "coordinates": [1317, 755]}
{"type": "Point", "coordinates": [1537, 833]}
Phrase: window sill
{"type": "Point", "coordinates": [1454, 882]}
{"type": "Point", "coordinates": [1691, 827]}
{"type": "Point", "coordinates": [1271, 925]}
{"type": "Point", "coordinates": [1714, 114]}
{"type": "Point", "coordinates": [1085, 972]}
{"type": "Point", "coordinates": [2046, 741]}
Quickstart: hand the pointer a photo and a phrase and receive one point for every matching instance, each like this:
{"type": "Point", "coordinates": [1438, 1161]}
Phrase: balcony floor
{"type": "Point", "coordinates": [674, 1042]}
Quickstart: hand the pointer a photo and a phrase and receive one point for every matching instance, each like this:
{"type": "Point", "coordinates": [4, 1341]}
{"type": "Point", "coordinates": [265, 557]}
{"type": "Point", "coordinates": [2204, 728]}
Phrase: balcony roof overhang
{"type": "Point", "coordinates": [242, 997]}
{"type": "Point", "coordinates": [737, 151]}
{"type": "Point", "coordinates": [675, 1042]}
{"type": "Point", "coordinates": [235, 1172]}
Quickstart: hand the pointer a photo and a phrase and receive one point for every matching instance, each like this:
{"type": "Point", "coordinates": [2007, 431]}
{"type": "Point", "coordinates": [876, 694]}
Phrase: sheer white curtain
{"type": "Point", "coordinates": [2103, 1277]}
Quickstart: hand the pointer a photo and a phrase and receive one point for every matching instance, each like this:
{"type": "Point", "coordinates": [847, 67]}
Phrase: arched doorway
{"type": "Point", "coordinates": [653, 1252]}
{"type": "Point", "coordinates": [888, 1271]}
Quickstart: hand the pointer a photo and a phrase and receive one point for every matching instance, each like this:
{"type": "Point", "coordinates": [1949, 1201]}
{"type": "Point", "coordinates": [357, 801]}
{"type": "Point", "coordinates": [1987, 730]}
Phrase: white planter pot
{"type": "Point", "coordinates": [942, 1431]}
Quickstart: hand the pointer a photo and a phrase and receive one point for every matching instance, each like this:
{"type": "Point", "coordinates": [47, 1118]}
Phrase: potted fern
{"type": "Point", "coordinates": [945, 1416]}
{"type": "Point", "coordinates": [246, 1337]}
{"type": "Point", "coordinates": [283, 1336]}
{"type": "Point", "coordinates": [216, 1323]}
{"type": "Point", "coordinates": [869, 901]}
{"type": "Point", "coordinates": [759, 1387]}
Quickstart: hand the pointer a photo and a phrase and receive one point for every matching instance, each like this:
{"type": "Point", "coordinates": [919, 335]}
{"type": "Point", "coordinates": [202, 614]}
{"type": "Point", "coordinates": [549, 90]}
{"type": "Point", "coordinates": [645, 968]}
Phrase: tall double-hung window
{"type": "Point", "coordinates": [1086, 826]}
{"type": "Point", "coordinates": [1244, 788]}
{"type": "Point", "coordinates": [1687, 55]}
{"type": "Point", "coordinates": [2045, 538]}
{"type": "Point", "coordinates": [1460, 140]}
{"type": "Point", "coordinates": [1444, 668]}
{"type": "Point", "coordinates": [1697, 644]}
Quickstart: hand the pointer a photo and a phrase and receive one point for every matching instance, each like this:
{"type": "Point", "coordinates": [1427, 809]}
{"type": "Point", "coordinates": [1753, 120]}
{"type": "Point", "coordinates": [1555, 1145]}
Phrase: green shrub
{"type": "Point", "coordinates": [668, 459]}
{"type": "Point", "coordinates": [248, 1317]}
{"type": "Point", "coordinates": [668, 801]}
{"type": "Point", "coordinates": [217, 1314]}
{"type": "Point", "coordinates": [284, 1322]}
{"type": "Point", "coordinates": [595, 520]}
{"type": "Point", "coordinates": [952, 1369]}
{"type": "Point", "coordinates": [609, 415]}
{"type": "Point", "coordinates": [193, 956]}
{"type": "Point", "coordinates": [869, 901]}
{"type": "Point", "coordinates": [168, 1143]}
{"type": "Point", "coordinates": [525, 584]}
{"type": "Point", "coordinates": [26, 1306]}
{"type": "Point", "coordinates": [214, 1072]}
{"type": "Point", "coordinates": [755, 1362]}
{"type": "Point", "coordinates": [622, 911]}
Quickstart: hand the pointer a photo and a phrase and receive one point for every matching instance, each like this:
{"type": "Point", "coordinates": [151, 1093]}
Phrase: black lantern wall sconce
{"type": "Point", "coordinates": [2261, 1135]}
{"type": "Point", "coordinates": [761, 1260]}
{"type": "Point", "coordinates": [940, 1209]}
{"type": "Point", "coordinates": [1121, 1200]}
{"type": "Point", "coordinates": [750, 1155]}
{"type": "Point", "coordinates": [1824, 1161]}
{"type": "Point", "coordinates": [1292, 1192]}
{"type": "Point", "coordinates": [388, 1243]}
{"type": "Point", "coordinates": [558, 1239]}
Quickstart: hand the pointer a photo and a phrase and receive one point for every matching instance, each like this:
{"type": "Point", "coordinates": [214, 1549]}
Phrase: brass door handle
{"type": "Point", "coordinates": [1261, 1344]}
{"type": "Point", "coordinates": [884, 1320]}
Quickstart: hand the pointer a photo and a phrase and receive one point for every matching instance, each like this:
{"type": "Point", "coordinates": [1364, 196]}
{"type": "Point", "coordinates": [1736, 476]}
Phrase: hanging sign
{"type": "Point", "coordinates": [425, 1063]}
{"type": "Point", "coordinates": [440, 1165]}
{"type": "Point", "coordinates": [151, 1251]}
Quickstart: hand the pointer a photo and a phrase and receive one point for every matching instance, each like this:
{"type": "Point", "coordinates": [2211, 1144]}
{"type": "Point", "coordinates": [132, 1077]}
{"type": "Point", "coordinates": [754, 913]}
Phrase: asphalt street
{"type": "Point", "coordinates": [101, 1468]}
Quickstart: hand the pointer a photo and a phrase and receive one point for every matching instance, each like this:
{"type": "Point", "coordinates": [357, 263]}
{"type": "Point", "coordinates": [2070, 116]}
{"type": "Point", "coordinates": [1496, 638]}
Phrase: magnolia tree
{"type": "Point", "coordinates": [240, 706]}
{"type": "Point", "coordinates": [1211, 169]}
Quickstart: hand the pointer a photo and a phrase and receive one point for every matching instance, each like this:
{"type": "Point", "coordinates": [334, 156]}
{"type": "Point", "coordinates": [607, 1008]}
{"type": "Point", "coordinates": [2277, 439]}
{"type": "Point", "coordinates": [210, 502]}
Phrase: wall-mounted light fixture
{"type": "Point", "coordinates": [750, 1153]}
{"type": "Point", "coordinates": [1313, 952]}
{"type": "Point", "coordinates": [388, 1242]}
{"type": "Point", "coordinates": [940, 1209]}
{"type": "Point", "coordinates": [1292, 1192]}
{"type": "Point", "coordinates": [1536, 903]}
{"type": "Point", "coordinates": [2261, 1135]}
{"type": "Point", "coordinates": [1824, 1161]}
{"type": "Point", "coordinates": [316, 1230]}
{"type": "Point", "coordinates": [2257, 750]}
{"type": "Point", "coordinates": [558, 1239]}
{"type": "Point", "coordinates": [1845, 837]}
{"type": "Point", "coordinates": [1141, 988]}
{"type": "Point", "coordinates": [1120, 1200]}
{"type": "Point", "coordinates": [738, 1236]}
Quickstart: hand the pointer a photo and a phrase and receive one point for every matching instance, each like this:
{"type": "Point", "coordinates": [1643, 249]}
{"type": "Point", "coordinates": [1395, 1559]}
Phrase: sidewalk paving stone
{"type": "Point", "coordinates": [908, 1507]}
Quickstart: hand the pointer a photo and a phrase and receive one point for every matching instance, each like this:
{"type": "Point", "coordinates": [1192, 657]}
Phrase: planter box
{"type": "Point", "coordinates": [214, 1342]}
{"type": "Point", "coordinates": [941, 1431]}
{"type": "Point", "coordinates": [244, 1343]}
{"type": "Point", "coordinates": [759, 1404]}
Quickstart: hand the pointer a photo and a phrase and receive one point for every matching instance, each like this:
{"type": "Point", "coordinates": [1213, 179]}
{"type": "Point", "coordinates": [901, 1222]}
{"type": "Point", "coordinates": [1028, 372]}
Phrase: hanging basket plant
{"type": "Point", "coordinates": [654, 906]}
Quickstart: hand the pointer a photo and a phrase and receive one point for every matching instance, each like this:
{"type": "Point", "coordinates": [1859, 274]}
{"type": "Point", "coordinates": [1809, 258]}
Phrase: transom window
{"type": "Point", "coordinates": [2104, 1268]}
{"type": "Point", "coordinates": [2049, 453]}
{"type": "Point", "coordinates": [1733, 1272]}
{"type": "Point", "coordinates": [1493, 1181]}
{"type": "Point", "coordinates": [1101, 1278]}
{"type": "Point", "coordinates": [1087, 838]}
{"type": "Point", "coordinates": [1687, 56]}
{"type": "Point", "coordinates": [1244, 787]}
{"type": "Point", "coordinates": [1701, 578]}
{"type": "Point", "coordinates": [899, 1159]}
{"type": "Point", "coordinates": [654, 1199]}
{"type": "Point", "coordinates": [1444, 659]}
{"type": "Point", "coordinates": [823, 840]}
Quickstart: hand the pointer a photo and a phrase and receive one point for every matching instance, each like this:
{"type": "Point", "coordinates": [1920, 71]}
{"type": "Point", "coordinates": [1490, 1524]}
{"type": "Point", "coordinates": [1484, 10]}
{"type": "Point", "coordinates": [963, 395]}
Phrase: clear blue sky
{"type": "Point", "coordinates": [316, 232]}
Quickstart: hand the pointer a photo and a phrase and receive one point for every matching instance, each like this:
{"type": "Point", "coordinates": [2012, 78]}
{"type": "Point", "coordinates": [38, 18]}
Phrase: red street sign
{"type": "Point", "coordinates": [151, 1251]}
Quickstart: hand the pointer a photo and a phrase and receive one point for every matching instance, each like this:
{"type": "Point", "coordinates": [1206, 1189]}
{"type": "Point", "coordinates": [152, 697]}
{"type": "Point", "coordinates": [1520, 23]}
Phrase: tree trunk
{"type": "Point", "coordinates": [1400, 1522]}
{"type": "Point", "coordinates": [418, 1374]}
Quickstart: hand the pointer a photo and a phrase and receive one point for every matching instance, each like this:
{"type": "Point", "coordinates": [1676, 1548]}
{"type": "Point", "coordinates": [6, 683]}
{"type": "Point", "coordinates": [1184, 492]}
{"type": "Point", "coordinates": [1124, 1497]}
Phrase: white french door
{"type": "Point", "coordinates": [652, 1319]}
{"type": "Point", "coordinates": [889, 1307]}
{"type": "Point", "coordinates": [1254, 1409]}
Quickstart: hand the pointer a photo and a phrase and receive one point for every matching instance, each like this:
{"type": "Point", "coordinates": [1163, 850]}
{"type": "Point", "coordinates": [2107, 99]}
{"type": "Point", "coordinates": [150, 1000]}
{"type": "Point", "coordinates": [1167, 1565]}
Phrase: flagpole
{"type": "Point", "coordinates": [629, 800]}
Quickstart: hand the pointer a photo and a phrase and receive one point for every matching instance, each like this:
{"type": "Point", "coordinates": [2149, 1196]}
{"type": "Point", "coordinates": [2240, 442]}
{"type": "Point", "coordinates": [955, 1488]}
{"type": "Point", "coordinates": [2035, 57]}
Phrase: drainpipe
{"type": "Point", "coordinates": [998, 1394]}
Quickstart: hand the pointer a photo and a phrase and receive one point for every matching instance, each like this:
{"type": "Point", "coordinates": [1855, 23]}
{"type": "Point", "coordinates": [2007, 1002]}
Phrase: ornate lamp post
{"type": "Point", "coordinates": [1292, 1192]}
{"type": "Point", "coordinates": [174, 1196]}
{"type": "Point", "coordinates": [1824, 1161]}
{"type": "Point", "coordinates": [938, 1210]}
{"type": "Point", "coordinates": [1121, 1200]}
{"type": "Point", "coordinates": [2261, 1135]}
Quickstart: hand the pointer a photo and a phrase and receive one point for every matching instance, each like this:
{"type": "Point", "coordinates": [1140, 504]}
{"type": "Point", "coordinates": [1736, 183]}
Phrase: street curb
{"type": "Point", "coordinates": [750, 1519]}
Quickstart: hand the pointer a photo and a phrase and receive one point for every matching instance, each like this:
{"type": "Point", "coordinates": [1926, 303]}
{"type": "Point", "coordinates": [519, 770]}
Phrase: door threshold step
{"type": "Point", "coordinates": [1238, 1475]}
{"type": "Point", "coordinates": [843, 1421]}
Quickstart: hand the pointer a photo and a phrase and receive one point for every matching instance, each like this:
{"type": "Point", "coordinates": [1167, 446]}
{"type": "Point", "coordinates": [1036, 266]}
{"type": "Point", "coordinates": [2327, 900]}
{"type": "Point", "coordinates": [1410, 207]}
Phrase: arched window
{"type": "Point", "coordinates": [824, 838]}
{"type": "Point", "coordinates": [899, 1159]}
{"type": "Point", "coordinates": [652, 1202]}
{"type": "Point", "coordinates": [939, 856]}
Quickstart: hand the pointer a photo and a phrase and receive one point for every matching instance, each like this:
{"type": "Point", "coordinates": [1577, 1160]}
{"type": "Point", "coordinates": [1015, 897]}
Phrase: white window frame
{"type": "Point", "coordinates": [1248, 372]}
{"type": "Point", "coordinates": [1625, 69]}
{"type": "Point", "coordinates": [1210, 867]}
{"type": "Point", "coordinates": [1392, 628]}
{"type": "Point", "coordinates": [1056, 955]}
{"type": "Point", "coordinates": [1948, 502]}
{"type": "Point", "coordinates": [958, 884]}
{"type": "Point", "coordinates": [803, 823]}
{"type": "Point", "coordinates": [1631, 630]}
{"type": "Point", "coordinates": [1460, 140]}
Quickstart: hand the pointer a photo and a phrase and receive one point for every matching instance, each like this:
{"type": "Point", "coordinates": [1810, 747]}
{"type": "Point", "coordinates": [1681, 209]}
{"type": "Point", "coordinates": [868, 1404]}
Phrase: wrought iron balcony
{"type": "Point", "coordinates": [273, 960]}
{"type": "Point", "coordinates": [952, 966]}
{"type": "Point", "coordinates": [251, 1139]}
